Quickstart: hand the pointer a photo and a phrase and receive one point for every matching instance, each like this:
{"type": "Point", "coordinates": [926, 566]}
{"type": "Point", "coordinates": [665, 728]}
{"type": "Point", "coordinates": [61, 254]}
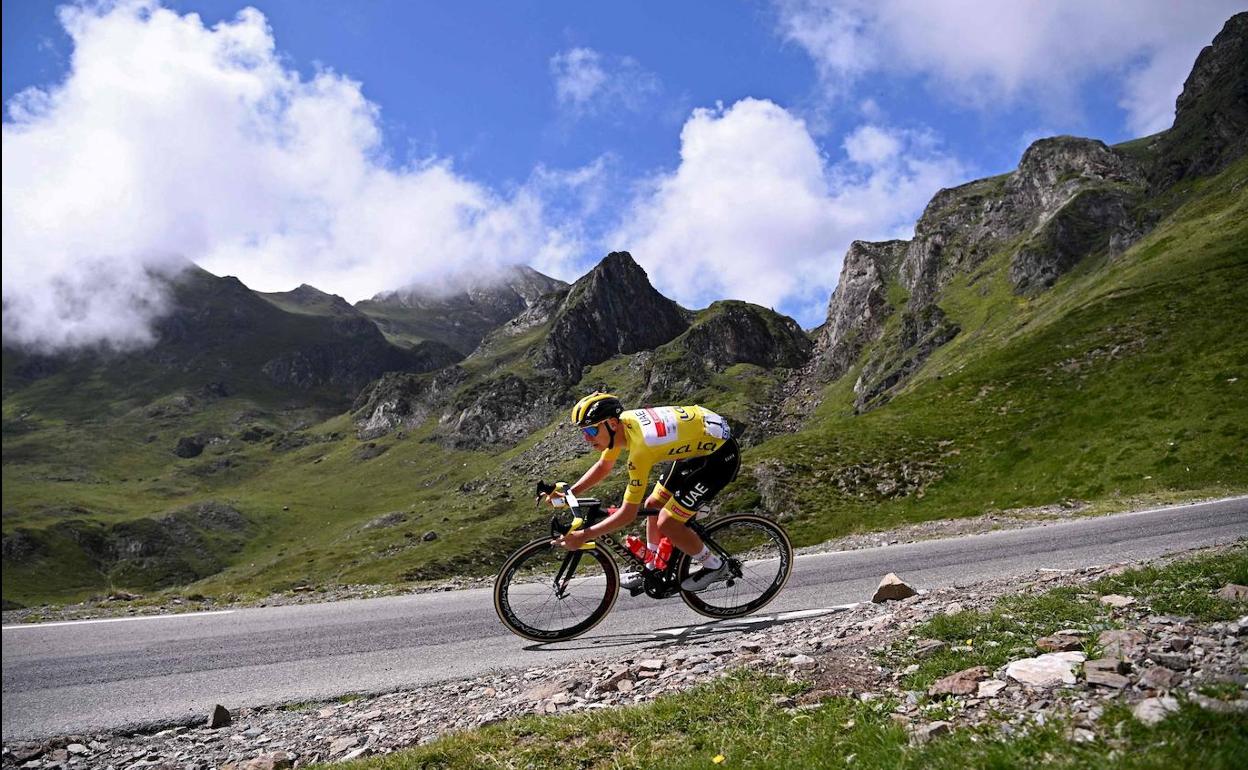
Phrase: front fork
{"type": "Point", "coordinates": [564, 575]}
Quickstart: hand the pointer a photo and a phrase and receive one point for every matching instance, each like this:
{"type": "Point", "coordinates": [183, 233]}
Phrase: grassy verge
{"type": "Point", "coordinates": [742, 720]}
{"type": "Point", "coordinates": [1008, 631]}
{"type": "Point", "coordinates": [736, 721]}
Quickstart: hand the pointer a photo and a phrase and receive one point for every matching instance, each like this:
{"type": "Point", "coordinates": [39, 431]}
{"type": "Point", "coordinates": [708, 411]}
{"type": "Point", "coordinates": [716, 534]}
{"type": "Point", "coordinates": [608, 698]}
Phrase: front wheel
{"type": "Point", "coordinates": [759, 557]}
{"type": "Point", "coordinates": [548, 594]}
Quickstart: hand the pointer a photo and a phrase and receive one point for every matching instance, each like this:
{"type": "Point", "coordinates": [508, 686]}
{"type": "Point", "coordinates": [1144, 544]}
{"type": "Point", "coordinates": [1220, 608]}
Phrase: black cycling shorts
{"type": "Point", "coordinates": [694, 482]}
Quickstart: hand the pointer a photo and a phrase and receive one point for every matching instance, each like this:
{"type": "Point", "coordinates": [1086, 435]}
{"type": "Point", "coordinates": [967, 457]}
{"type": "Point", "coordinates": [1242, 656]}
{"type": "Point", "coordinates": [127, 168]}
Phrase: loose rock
{"type": "Point", "coordinates": [1150, 711]}
{"type": "Point", "coordinates": [962, 683]}
{"type": "Point", "coordinates": [892, 588]}
{"type": "Point", "coordinates": [1117, 601]}
{"type": "Point", "coordinates": [1046, 670]}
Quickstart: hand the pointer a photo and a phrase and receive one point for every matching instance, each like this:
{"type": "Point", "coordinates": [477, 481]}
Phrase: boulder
{"type": "Point", "coordinates": [990, 688]}
{"type": "Point", "coordinates": [1113, 665]}
{"type": "Point", "coordinates": [892, 588]}
{"type": "Point", "coordinates": [1160, 678]}
{"type": "Point", "coordinates": [220, 717]}
{"type": "Point", "coordinates": [925, 733]}
{"type": "Point", "coordinates": [926, 648]}
{"type": "Point", "coordinates": [1105, 678]}
{"type": "Point", "coordinates": [1171, 660]}
{"type": "Point", "coordinates": [190, 446]}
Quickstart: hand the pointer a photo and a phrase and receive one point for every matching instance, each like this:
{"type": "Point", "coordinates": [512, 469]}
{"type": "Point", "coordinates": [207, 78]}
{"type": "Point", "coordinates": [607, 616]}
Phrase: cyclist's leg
{"type": "Point", "coordinates": [671, 522]}
{"type": "Point", "coordinates": [657, 499]}
{"type": "Point", "coordinates": [691, 484]}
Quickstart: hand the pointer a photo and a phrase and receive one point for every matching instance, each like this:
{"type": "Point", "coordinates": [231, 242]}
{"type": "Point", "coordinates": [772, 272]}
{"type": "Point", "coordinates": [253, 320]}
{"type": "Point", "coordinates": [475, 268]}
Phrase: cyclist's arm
{"type": "Point", "coordinates": [596, 473]}
{"type": "Point", "coordinates": [622, 517]}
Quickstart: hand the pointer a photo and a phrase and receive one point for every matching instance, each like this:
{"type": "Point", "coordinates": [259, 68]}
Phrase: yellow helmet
{"type": "Point", "coordinates": [595, 408]}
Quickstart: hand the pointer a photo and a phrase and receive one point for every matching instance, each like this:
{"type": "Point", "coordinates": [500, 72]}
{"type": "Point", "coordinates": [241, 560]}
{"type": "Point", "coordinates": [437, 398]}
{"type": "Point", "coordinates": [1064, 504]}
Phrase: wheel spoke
{"type": "Point", "coordinates": [765, 557]}
{"type": "Point", "coordinates": [528, 602]}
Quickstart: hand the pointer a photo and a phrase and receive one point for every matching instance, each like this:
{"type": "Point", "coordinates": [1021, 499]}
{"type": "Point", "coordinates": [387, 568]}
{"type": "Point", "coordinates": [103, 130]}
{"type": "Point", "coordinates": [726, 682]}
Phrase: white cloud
{"type": "Point", "coordinates": [871, 145]}
{"type": "Point", "coordinates": [982, 52]}
{"type": "Point", "coordinates": [590, 83]}
{"type": "Point", "coordinates": [170, 141]}
{"type": "Point", "coordinates": [755, 211]}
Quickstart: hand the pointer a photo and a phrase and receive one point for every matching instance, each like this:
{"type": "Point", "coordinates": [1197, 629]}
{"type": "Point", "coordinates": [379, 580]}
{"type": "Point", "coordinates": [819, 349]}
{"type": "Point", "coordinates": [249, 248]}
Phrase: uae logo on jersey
{"type": "Point", "coordinates": [658, 426]}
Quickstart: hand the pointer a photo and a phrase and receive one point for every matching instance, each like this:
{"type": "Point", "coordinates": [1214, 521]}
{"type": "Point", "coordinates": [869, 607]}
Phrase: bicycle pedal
{"type": "Point", "coordinates": [638, 591]}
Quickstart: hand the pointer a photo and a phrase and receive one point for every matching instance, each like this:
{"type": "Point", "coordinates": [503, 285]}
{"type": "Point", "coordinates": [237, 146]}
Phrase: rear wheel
{"type": "Point", "coordinates": [759, 557]}
{"type": "Point", "coordinates": [548, 594]}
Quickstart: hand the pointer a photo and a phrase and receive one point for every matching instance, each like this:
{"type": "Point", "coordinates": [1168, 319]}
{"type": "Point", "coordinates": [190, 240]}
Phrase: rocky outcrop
{"type": "Point", "coordinates": [611, 310]}
{"type": "Point", "coordinates": [503, 409]}
{"type": "Point", "coordinates": [1069, 199]}
{"type": "Point", "coordinates": [728, 332]}
{"type": "Point", "coordinates": [461, 312]}
{"type": "Point", "coordinates": [859, 306]}
{"type": "Point", "coordinates": [919, 334]}
{"type": "Point", "coordinates": [402, 401]}
{"type": "Point", "coordinates": [966, 225]}
{"type": "Point", "coordinates": [508, 340]}
{"type": "Point", "coordinates": [1095, 220]}
{"type": "Point", "coordinates": [1211, 114]}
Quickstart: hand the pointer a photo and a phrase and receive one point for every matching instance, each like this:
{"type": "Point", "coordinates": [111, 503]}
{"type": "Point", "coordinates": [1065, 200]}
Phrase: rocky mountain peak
{"type": "Point", "coordinates": [462, 310]}
{"type": "Point", "coordinates": [726, 333]}
{"type": "Point", "coordinates": [859, 305]}
{"type": "Point", "coordinates": [611, 310]}
{"type": "Point", "coordinates": [309, 299]}
{"type": "Point", "coordinates": [1052, 164]}
{"type": "Point", "coordinates": [1211, 114]}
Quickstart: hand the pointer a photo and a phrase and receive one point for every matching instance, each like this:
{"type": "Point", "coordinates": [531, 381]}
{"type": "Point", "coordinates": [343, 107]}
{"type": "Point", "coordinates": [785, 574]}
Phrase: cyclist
{"type": "Point", "coordinates": [704, 458]}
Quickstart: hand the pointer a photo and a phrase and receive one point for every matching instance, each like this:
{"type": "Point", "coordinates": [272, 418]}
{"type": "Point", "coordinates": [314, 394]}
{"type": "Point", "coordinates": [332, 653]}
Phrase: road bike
{"type": "Point", "coordinates": [547, 594]}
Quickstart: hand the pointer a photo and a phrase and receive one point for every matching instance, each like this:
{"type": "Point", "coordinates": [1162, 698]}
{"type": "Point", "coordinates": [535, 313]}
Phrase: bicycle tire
{"type": "Point", "coordinates": [522, 611]}
{"type": "Point", "coordinates": [748, 530]}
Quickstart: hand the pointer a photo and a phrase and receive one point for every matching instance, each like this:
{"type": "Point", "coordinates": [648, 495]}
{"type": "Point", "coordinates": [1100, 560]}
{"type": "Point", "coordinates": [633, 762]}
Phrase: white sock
{"type": "Point", "coordinates": [708, 559]}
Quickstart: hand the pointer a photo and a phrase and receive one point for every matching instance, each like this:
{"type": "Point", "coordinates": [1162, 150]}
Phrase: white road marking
{"type": "Point", "coordinates": [116, 620]}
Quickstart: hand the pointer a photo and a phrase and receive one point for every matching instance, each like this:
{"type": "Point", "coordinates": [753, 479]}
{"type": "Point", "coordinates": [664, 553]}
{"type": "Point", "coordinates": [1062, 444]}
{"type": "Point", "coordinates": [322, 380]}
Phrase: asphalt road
{"type": "Point", "coordinates": [89, 676]}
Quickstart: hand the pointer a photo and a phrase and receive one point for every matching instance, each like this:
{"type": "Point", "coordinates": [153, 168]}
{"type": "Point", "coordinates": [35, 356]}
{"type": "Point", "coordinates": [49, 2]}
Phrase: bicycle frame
{"type": "Point", "coordinates": [661, 588]}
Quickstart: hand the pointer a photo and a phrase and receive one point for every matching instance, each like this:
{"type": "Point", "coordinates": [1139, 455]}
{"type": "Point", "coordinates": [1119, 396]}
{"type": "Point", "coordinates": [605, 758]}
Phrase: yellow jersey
{"type": "Point", "coordinates": [664, 434]}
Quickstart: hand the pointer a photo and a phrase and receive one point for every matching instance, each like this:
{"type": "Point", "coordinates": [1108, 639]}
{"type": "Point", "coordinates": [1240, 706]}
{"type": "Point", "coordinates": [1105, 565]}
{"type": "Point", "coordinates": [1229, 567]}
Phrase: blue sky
{"type": "Point", "coordinates": [736, 149]}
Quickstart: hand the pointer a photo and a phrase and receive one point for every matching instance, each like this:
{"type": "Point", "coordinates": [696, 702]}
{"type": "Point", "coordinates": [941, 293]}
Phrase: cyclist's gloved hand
{"type": "Point", "coordinates": [551, 493]}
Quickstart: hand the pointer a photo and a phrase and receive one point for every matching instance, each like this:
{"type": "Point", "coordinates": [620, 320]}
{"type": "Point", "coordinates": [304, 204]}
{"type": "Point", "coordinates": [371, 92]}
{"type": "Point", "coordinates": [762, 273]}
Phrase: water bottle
{"type": "Point", "coordinates": [636, 546]}
{"type": "Point", "coordinates": [665, 553]}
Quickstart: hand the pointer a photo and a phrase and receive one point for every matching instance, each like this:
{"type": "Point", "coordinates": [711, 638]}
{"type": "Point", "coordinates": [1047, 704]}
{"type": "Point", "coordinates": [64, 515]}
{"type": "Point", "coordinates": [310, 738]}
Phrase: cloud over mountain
{"type": "Point", "coordinates": [171, 141]}
{"type": "Point", "coordinates": [755, 211]}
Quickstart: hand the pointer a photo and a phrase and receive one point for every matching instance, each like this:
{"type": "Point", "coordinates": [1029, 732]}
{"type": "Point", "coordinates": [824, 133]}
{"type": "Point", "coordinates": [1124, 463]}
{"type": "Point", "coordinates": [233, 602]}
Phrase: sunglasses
{"type": "Point", "coordinates": [592, 430]}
